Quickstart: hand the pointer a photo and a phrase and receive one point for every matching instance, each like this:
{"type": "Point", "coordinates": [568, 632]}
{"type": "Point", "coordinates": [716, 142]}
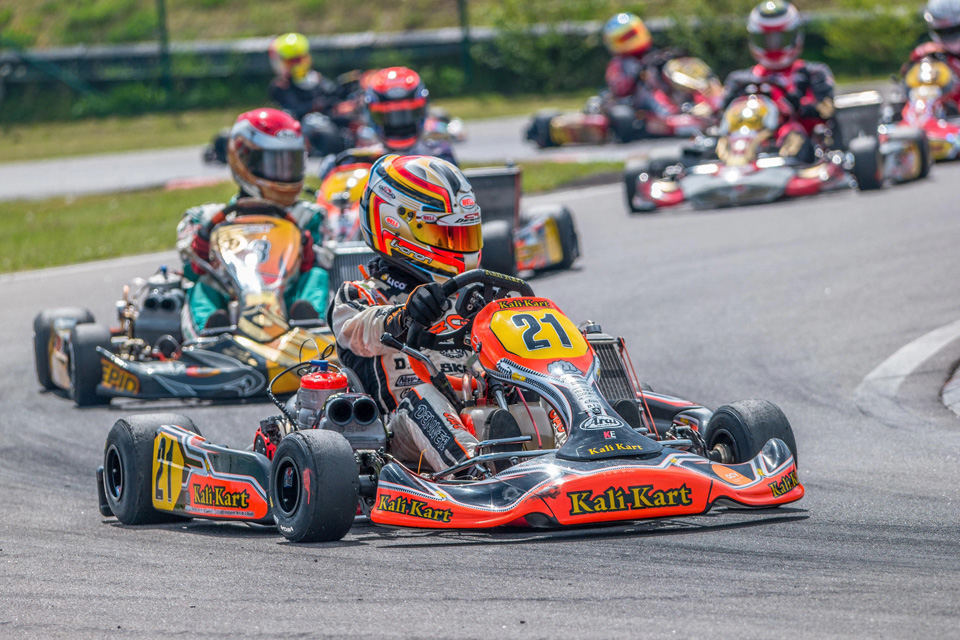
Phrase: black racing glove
{"type": "Point", "coordinates": [425, 304]}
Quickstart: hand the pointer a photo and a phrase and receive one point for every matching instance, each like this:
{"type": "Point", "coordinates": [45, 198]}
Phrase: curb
{"type": "Point", "coordinates": [950, 392]}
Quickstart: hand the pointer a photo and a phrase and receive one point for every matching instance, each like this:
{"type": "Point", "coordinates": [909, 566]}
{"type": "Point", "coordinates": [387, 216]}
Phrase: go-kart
{"type": "Point", "coordinates": [606, 449]}
{"type": "Point", "coordinates": [515, 238]}
{"type": "Point", "coordinates": [687, 98]}
{"type": "Point", "coordinates": [741, 164]}
{"type": "Point", "coordinates": [157, 352]}
{"type": "Point", "coordinates": [926, 82]}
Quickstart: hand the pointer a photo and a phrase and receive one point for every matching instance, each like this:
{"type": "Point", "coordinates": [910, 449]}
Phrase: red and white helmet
{"type": "Point", "coordinates": [776, 34]}
{"type": "Point", "coordinates": [267, 155]}
{"type": "Point", "coordinates": [943, 20]}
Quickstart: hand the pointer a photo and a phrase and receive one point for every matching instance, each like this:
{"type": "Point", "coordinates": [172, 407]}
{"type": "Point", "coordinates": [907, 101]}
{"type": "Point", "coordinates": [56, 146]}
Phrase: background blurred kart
{"type": "Point", "coordinates": [157, 352]}
{"type": "Point", "coordinates": [516, 238]}
{"type": "Point", "coordinates": [738, 165]}
{"type": "Point", "coordinates": [687, 105]}
{"type": "Point", "coordinates": [625, 454]}
{"type": "Point", "coordinates": [921, 105]}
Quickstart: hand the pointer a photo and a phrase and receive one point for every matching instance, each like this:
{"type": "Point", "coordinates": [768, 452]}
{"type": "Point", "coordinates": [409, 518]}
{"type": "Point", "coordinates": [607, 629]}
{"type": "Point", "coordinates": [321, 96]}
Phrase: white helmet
{"type": "Point", "coordinates": [775, 30]}
{"type": "Point", "coordinates": [943, 20]}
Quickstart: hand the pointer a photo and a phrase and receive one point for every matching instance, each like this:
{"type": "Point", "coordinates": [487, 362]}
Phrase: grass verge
{"type": "Point", "coordinates": [45, 233]}
{"type": "Point", "coordinates": [158, 131]}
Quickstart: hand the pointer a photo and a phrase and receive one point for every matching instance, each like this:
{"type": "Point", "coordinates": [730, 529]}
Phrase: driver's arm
{"type": "Point", "coordinates": [194, 219]}
{"type": "Point", "coordinates": [734, 85]}
{"type": "Point", "coordinates": [358, 320]}
{"type": "Point", "coordinates": [817, 101]}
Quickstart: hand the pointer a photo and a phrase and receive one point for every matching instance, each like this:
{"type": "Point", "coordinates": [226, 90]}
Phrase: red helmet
{"type": "Point", "coordinates": [397, 103]}
{"type": "Point", "coordinates": [267, 155]}
{"type": "Point", "coordinates": [776, 34]}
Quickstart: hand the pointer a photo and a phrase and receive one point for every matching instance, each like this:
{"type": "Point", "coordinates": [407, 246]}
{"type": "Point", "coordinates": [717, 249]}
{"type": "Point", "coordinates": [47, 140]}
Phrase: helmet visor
{"type": "Point", "coordinates": [948, 35]}
{"type": "Point", "coordinates": [287, 165]}
{"type": "Point", "coordinates": [405, 115]}
{"type": "Point", "coordinates": [459, 238]}
{"type": "Point", "coordinates": [775, 41]}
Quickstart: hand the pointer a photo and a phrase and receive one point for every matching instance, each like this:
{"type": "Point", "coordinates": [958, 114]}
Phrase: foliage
{"type": "Point", "coordinates": [874, 38]}
{"type": "Point", "coordinates": [718, 35]}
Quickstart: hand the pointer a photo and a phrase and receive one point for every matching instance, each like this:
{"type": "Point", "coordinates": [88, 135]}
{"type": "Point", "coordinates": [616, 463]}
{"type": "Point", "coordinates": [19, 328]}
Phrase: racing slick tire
{"type": "Point", "coordinates": [624, 124]}
{"type": "Point", "coordinates": [654, 165]}
{"type": "Point", "coordinates": [745, 426]}
{"type": "Point", "coordinates": [867, 163]}
{"type": "Point", "coordinates": [85, 368]}
{"type": "Point", "coordinates": [917, 136]}
{"type": "Point", "coordinates": [499, 252]}
{"type": "Point", "coordinates": [566, 230]}
{"type": "Point", "coordinates": [630, 174]}
{"type": "Point", "coordinates": [539, 130]}
{"type": "Point", "coordinates": [314, 486]}
{"type": "Point", "coordinates": [43, 333]}
{"type": "Point", "coordinates": [128, 467]}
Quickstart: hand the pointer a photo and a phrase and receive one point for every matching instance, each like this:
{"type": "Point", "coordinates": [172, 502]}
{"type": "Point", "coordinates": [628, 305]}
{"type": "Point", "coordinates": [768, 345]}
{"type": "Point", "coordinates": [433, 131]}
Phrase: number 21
{"type": "Point", "coordinates": [533, 328]}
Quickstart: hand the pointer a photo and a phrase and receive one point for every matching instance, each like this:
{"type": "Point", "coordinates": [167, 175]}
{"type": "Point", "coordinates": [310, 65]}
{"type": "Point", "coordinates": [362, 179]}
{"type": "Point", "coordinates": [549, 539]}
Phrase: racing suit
{"type": "Point", "coordinates": [314, 94]}
{"type": "Point", "coordinates": [204, 298]}
{"type": "Point", "coordinates": [425, 425]}
{"type": "Point", "coordinates": [809, 84]}
{"type": "Point", "coordinates": [635, 79]}
{"type": "Point", "coordinates": [937, 51]}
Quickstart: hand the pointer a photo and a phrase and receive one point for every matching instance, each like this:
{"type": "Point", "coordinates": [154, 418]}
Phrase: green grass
{"type": "Point", "coordinates": [58, 231]}
{"type": "Point", "coordinates": [158, 131]}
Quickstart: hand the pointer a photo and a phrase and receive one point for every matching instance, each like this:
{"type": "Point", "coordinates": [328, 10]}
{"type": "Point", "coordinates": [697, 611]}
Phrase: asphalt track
{"type": "Point", "coordinates": [797, 303]}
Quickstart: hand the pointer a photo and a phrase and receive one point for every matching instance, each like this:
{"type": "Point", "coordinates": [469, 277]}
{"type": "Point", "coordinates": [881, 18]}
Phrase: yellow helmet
{"type": "Point", "coordinates": [290, 56]}
{"type": "Point", "coordinates": [625, 34]}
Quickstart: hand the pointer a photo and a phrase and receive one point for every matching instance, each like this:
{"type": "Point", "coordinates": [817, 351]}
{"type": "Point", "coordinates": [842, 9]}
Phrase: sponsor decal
{"type": "Point", "coordinates": [635, 498]}
{"type": "Point", "coordinates": [518, 304]}
{"type": "Point", "coordinates": [392, 222]}
{"type": "Point", "coordinates": [468, 203]}
{"type": "Point", "coordinates": [410, 253]}
{"type": "Point", "coordinates": [616, 446]}
{"type": "Point", "coordinates": [428, 217]}
{"type": "Point", "coordinates": [730, 475]}
{"type": "Point", "coordinates": [468, 218]}
{"type": "Point", "coordinates": [393, 282]}
{"type": "Point", "coordinates": [412, 507]}
{"type": "Point", "coordinates": [386, 192]}
{"type": "Point", "coordinates": [289, 134]}
{"type": "Point", "coordinates": [431, 426]}
{"type": "Point", "coordinates": [120, 379]}
{"type": "Point", "coordinates": [610, 435]}
{"type": "Point", "coordinates": [407, 381]}
{"type": "Point", "coordinates": [601, 422]}
{"type": "Point", "coordinates": [209, 496]}
{"type": "Point", "coordinates": [518, 377]}
{"type": "Point", "coordinates": [786, 484]}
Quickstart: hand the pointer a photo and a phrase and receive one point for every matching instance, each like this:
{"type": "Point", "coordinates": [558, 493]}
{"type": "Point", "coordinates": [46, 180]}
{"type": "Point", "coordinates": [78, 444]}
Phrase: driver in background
{"type": "Point", "coordinates": [943, 21]}
{"type": "Point", "coordinates": [775, 30]}
{"type": "Point", "coordinates": [296, 87]}
{"type": "Point", "coordinates": [267, 156]}
{"type": "Point", "coordinates": [635, 71]}
{"type": "Point", "coordinates": [420, 216]}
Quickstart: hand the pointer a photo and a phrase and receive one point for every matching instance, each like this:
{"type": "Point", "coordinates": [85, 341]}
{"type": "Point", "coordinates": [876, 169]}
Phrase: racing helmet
{"type": "Point", "coordinates": [775, 31]}
{"type": "Point", "coordinates": [750, 114]}
{"type": "Point", "coordinates": [267, 155]}
{"type": "Point", "coordinates": [420, 214]}
{"type": "Point", "coordinates": [943, 20]}
{"type": "Point", "coordinates": [397, 106]}
{"type": "Point", "coordinates": [625, 35]}
{"type": "Point", "coordinates": [290, 57]}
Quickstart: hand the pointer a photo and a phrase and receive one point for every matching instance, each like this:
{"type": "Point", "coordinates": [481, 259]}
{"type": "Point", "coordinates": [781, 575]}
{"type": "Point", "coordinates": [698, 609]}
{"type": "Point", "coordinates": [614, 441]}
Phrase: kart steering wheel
{"type": "Point", "coordinates": [254, 207]}
{"type": "Point", "coordinates": [478, 288]}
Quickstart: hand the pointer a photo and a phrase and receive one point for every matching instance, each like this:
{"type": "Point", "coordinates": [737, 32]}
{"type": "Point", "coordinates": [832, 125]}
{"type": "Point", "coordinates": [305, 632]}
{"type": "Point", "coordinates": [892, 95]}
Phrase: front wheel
{"type": "Point", "coordinates": [128, 466]}
{"type": "Point", "coordinates": [43, 336]}
{"type": "Point", "coordinates": [499, 252]}
{"type": "Point", "coordinates": [539, 130]}
{"type": "Point", "coordinates": [740, 429]}
{"type": "Point", "coordinates": [867, 163]}
{"type": "Point", "coordinates": [85, 368]}
{"type": "Point", "coordinates": [314, 486]}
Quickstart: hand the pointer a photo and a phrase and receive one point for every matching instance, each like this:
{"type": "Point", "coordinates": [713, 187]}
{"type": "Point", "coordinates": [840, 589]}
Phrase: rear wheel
{"type": "Point", "coordinates": [630, 174]}
{"type": "Point", "coordinates": [743, 427]}
{"type": "Point", "coordinates": [623, 123]}
{"type": "Point", "coordinates": [85, 368]}
{"type": "Point", "coordinates": [539, 129]}
{"type": "Point", "coordinates": [314, 486]}
{"type": "Point", "coordinates": [128, 466]}
{"type": "Point", "coordinates": [867, 163]}
{"type": "Point", "coordinates": [43, 335]}
{"type": "Point", "coordinates": [499, 252]}
{"type": "Point", "coordinates": [919, 138]}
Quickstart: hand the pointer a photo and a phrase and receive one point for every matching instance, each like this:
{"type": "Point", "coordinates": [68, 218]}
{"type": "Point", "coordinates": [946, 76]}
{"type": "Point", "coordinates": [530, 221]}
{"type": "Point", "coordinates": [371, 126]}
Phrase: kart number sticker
{"type": "Point", "coordinates": [538, 333]}
{"type": "Point", "coordinates": [167, 471]}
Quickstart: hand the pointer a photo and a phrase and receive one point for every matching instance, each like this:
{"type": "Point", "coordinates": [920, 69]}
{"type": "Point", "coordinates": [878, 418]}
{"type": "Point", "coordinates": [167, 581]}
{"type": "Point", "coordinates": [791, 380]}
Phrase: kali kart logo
{"type": "Point", "coordinates": [518, 304]}
{"type": "Point", "coordinates": [630, 499]}
{"type": "Point", "coordinates": [601, 422]}
{"type": "Point", "coordinates": [209, 496]}
{"type": "Point", "coordinates": [786, 484]}
{"type": "Point", "coordinates": [414, 508]}
{"type": "Point", "coordinates": [616, 446]}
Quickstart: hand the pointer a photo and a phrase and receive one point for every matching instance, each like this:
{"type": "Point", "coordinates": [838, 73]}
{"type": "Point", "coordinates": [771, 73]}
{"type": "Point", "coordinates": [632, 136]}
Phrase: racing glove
{"type": "Point", "coordinates": [201, 248]}
{"type": "Point", "coordinates": [425, 305]}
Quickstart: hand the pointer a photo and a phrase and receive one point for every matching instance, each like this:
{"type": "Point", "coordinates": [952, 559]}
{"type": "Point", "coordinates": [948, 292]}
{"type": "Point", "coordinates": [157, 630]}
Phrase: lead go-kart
{"type": "Point", "coordinates": [921, 104]}
{"type": "Point", "coordinates": [687, 98]}
{"type": "Point", "coordinates": [739, 164]}
{"type": "Point", "coordinates": [516, 238]}
{"type": "Point", "coordinates": [617, 452]}
{"type": "Point", "coordinates": [157, 352]}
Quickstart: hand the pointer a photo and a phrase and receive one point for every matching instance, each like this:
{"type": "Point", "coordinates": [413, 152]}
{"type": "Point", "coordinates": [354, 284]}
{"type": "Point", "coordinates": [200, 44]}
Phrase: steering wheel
{"type": "Point", "coordinates": [477, 288]}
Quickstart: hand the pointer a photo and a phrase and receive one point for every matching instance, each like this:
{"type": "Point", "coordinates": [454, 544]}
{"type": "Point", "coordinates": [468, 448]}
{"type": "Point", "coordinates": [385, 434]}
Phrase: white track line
{"type": "Point", "coordinates": [877, 394]}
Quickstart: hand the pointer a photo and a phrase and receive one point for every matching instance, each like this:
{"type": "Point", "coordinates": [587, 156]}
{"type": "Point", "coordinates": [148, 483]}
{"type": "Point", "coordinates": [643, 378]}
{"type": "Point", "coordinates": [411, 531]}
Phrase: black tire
{"type": "Point", "coordinates": [314, 486]}
{"type": "Point", "coordinates": [539, 130]}
{"type": "Point", "coordinates": [917, 136]}
{"type": "Point", "coordinates": [569, 238]}
{"type": "Point", "coordinates": [85, 368]}
{"type": "Point", "coordinates": [128, 466]}
{"type": "Point", "coordinates": [623, 123]}
{"type": "Point", "coordinates": [499, 253]}
{"type": "Point", "coordinates": [43, 334]}
{"type": "Point", "coordinates": [867, 163]}
{"type": "Point", "coordinates": [630, 175]}
{"type": "Point", "coordinates": [745, 426]}
{"type": "Point", "coordinates": [324, 136]}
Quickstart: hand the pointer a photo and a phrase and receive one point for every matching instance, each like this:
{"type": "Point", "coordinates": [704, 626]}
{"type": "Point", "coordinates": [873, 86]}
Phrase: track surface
{"type": "Point", "coordinates": [796, 303]}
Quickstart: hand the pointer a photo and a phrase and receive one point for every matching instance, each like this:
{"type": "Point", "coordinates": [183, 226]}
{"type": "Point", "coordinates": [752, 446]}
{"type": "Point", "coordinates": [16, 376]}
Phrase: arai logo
{"type": "Point", "coordinates": [287, 134]}
{"type": "Point", "coordinates": [601, 422]}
